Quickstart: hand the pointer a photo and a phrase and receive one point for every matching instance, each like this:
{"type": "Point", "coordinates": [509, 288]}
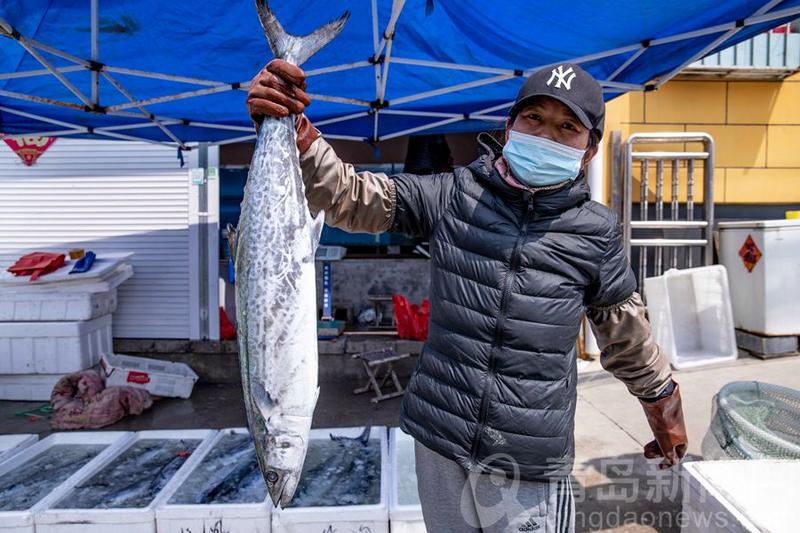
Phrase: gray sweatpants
{"type": "Point", "coordinates": [455, 500]}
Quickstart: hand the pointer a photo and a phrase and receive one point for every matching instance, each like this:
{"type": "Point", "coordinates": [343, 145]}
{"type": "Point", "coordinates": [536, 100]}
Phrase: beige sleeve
{"type": "Point", "coordinates": [628, 349]}
{"type": "Point", "coordinates": [353, 201]}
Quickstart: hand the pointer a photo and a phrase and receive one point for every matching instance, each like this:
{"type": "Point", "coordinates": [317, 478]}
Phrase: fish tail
{"type": "Point", "coordinates": [292, 48]}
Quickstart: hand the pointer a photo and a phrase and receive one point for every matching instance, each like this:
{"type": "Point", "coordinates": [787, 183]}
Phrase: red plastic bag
{"type": "Point", "coordinates": [227, 331]}
{"type": "Point", "coordinates": [411, 319]}
{"type": "Point", "coordinates": [36, 264]}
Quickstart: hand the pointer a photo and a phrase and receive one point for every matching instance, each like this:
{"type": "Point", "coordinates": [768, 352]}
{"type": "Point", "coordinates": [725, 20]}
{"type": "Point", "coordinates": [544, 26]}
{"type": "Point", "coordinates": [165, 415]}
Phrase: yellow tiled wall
{"type": "Point", "coordinates": [755, 126]}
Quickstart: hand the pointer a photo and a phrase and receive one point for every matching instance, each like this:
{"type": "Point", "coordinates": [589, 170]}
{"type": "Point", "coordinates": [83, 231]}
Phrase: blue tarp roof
{"type": "Point", "coordinates": [479, 48]}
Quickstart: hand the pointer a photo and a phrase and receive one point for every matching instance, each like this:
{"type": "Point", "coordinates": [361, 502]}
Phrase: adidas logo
{"type": "Point", "coordinates": [529, 525]}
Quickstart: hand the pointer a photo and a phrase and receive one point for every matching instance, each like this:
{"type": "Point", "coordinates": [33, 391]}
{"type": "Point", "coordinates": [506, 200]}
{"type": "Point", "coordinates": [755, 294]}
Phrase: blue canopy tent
{"type": "Point", "coordinates": [177, 72]}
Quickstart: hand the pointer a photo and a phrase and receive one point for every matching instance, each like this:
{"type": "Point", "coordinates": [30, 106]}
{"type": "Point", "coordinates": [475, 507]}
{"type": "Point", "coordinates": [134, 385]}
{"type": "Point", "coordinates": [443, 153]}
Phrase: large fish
{"type": "Point", "coordinates": [276, 304]}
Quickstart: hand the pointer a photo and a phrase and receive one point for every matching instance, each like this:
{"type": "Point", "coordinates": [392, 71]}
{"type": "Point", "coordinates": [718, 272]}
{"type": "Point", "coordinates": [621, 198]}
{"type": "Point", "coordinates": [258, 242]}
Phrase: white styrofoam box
{"type": "Point", "coordinates": [13, 444]}
{"type": "Point", "coordinates": [27, 387]}
{"type": "Point", "coordinates": [405, 511]}
{"type": "Point", "coordinates": [160, 378]}
{"type": "Point", "coordinates": [127, 520]}
{"type": "Point", "coordinates": [23, 521]}
{"type": "Point", "coordinates": [230, 517]}
{"type": "Point", "coordinates": [372, 517]}
{"type": "Point", "coordinates": [737, 496]}
{"type": "Point", "coordinates": [766, 300]}
{"type": "Point", "coordinates": [53, 347]}
{"type": "Point", "coordinates": [55, 305]}
{"type": "Point", "coordinates": [691, 316]}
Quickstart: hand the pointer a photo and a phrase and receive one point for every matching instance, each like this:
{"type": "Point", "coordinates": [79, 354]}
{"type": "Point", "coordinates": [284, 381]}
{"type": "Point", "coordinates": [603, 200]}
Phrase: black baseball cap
{"type": "Point", "coordinates": [571, 85]}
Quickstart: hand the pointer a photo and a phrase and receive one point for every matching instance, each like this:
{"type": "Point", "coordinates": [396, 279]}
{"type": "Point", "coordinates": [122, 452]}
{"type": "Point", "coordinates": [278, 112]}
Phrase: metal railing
{"type": "Point", "coordinates": [665, 251]}
{"type": "Point", "coordinates": [777, 48]}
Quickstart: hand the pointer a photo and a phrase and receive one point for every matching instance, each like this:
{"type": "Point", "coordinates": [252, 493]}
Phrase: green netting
{"type": "Point", "coordinates": [753, 420]}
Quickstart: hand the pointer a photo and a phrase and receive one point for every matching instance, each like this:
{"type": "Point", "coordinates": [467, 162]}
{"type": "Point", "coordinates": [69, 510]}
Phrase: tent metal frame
{"type": "Point", "coordinates": [380, 61]}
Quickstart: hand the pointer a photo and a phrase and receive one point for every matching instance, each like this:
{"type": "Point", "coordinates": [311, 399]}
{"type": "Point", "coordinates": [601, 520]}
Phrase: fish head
{"type": "Point", "coordinates": [284, 467]}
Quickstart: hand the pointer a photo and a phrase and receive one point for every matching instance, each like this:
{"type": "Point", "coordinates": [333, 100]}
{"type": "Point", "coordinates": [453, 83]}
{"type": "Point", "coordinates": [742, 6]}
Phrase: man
{"type": "Point", "coordinates": [518, 255]}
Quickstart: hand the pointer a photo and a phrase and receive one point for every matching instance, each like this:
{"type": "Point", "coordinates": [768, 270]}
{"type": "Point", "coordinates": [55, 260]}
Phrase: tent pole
{"type": "Point", "coordinates": [343, 118]}
{"type": "Point", "coordinates": [60, 77]}
{"type": "Point", "coordinates": [39, 99]}
{"type": "Point", "coordinates": [95, 54]}
{"type": "Point", "coordinates": [141, 108]}
{"type": "Point", "coordinates": [451, 66]}
{"type": "Point", "coordinates": [409, 131]}
{"type": "Point", "coordinates": [41, 118]}
{"type": "Point", "coordinates": [39, 72]}
{"type": "Point", "coordinates": [171, 97]}
{"type": "Point", "coordinates": [452, 89]}
{"type": "Point", "coordinates": [160, 76]}
{"type": "Point", "coordinates": [413, 113]}
{"type": "Point", "coordinates": [375, 62]}
{"type": "Point", "coordinates": [336, 68]}
{"type": "Point", "coordinates": [627, 63]}
{"type": "Point", "coordinates": [338, 99]}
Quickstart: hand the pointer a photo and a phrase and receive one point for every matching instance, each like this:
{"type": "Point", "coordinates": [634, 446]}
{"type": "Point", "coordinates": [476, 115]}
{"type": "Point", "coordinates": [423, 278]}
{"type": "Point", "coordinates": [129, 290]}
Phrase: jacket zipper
{"type": "Point", "coordinates": [498, 331]}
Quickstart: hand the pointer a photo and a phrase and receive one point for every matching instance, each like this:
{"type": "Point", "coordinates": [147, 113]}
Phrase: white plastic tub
{"type": "Point", "coordinates": [22, 520]}
{"type": "Point", "coordinates": [737, 496]}
{"type": "Point", "coordinates": [59, 518]}
{"type": "Point", "coordinates": [766, 299]}
{"type": "Point", "coordinates": [346, 518]}
{"type": "Point", "coordinates": [160, 378]}
{"type": "Point", "coordinates": [691, 316]}
{"type": "Point", "coordinates": [235, 517]}
{"type": "Point", "coordinates": [27, 387]}
{"type": "Point", "coordinates": [11, 445]}
{"type": "Point", "coordinates": [53, 347]}
{"type": "Point", "coordinates": [405, 511]}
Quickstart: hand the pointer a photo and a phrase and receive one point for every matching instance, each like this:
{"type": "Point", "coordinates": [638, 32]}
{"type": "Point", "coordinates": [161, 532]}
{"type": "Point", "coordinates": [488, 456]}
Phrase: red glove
{"type": "Point", "coordinates": [279, 91]}
{"type": "Point", "coordinates": [665, 417]}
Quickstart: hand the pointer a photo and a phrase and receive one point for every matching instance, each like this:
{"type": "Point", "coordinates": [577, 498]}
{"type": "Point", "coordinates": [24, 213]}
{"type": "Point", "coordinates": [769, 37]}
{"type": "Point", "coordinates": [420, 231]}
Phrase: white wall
{"type": "Point", "coordinates": [114, 196]}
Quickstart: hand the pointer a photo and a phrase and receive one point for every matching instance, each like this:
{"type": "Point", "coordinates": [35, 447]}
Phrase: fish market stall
{"type": "Point", "coordinates": [344, 485]}
{"type": "Point", "coordinates": [225, 491]}
{"type": "Point", "coordinates": [33, 479]}
{"type": "Point", "coordinates": [405, 511]}
{"type": "Point", "coordinates": [123, 490]}
{"type": "Point", "coordinates": [13, 444]}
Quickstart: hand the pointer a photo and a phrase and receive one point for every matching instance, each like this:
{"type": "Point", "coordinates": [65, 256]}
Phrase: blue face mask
{"type": "Point", "coordinates": [539, 162]}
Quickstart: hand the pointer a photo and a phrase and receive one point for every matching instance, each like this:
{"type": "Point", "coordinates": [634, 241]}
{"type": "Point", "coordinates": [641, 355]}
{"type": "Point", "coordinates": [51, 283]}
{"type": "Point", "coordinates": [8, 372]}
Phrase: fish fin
{"type": "Point", "coordinates": [364, 437]}
{"type": "Point", "coordinates": [231, 240]}
{"type": "Point", "coordinates": [292, 48]}
{"type": "Point", "coordinates": [315, 231]}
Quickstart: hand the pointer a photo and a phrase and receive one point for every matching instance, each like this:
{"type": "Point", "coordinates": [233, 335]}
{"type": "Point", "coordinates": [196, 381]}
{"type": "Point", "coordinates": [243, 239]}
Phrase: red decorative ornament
{"type": "Point", "coordinates": [29, 149]}
{"type": "Point", "coordinates": [750, 253]}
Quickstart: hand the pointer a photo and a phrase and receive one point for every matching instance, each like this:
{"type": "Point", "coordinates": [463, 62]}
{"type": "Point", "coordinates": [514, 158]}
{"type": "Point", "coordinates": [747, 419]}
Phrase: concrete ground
{"type": "Point", "coordinates": [616, 489]}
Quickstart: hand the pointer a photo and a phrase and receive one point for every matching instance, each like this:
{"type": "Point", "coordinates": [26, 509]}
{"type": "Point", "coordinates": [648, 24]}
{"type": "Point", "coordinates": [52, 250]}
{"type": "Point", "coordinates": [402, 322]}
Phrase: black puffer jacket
{"type": "Point", "coordinates": [511, 274]}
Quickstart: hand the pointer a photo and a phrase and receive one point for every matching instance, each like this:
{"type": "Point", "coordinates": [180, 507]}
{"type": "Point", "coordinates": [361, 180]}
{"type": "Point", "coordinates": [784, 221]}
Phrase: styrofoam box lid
{"type": "Point", "coordinates": [761, 224]}
{"type": "Point", "coordinates": [378, 511]}
{"type": "Point", "coordinates": [764, 492]}
{"type": "Point", "coordinates": [104, 265]}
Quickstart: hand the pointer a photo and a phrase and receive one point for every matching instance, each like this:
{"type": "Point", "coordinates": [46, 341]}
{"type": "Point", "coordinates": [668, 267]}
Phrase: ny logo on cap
{"type": "Point", "coordinates": [562, 77]}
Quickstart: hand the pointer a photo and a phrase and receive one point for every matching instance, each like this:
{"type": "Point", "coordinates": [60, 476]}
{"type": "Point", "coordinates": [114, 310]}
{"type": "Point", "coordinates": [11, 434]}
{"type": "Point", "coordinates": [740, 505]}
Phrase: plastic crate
{"type": "Point", "coordinates": [233, 517]}
{"type": "Point", "coordinates": [53, 347]}
{"type": "Point", "coordinates": [11, 445]}
{"type": "Point", "coordinates": [127, 520]}
{"type": "Point", "coordinates": [160, 378]}
{"type": "Point", "coordinates": [691, 316]}
{"type": "Point", "coordinates": [737, 496]}
{"type": "Point", "coordinates": [27, 387]}
{"type": "Point", "coordinates": [405, 511]}
{"type": "Point", "coordinates": [23, 521]}
{"type": "Point", "coordinates": [372, 517]}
